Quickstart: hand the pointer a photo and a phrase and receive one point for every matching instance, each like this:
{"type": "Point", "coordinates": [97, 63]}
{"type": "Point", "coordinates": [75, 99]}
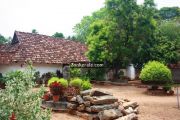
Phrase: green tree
{"type": "Point", "coordinates": [169, 12]}
{"type": "Point", "coordinates": [58, 35]}
{"type": "Point", "coordinates": [3, 39]}
{"type": "Point", "coordinates": [82, 29]}
{"type": "Point", "coordinates": [171, 30]}
{"type": "Point", "coordinates": [34, 31]}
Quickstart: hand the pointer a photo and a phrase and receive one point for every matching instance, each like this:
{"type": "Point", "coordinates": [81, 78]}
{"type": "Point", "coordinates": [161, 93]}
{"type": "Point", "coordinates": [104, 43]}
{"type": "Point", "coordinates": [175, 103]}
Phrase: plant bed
{"type": "Point", "coordinates": [160, 92]}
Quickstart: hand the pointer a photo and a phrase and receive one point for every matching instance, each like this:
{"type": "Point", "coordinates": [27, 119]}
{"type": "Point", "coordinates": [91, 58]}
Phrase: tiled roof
{"type": "Point", "coordinates": [41, 49]}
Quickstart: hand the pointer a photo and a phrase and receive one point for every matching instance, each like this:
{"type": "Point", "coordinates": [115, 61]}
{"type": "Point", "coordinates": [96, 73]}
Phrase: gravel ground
{"type": "Point", "coordinates": [151, 107]}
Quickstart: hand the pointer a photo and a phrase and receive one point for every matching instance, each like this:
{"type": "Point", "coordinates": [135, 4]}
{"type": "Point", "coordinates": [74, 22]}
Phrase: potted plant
{"type": "Point", "coordinates": [46, 96]}
{"type": "Point", "coordinates": [55, 89]}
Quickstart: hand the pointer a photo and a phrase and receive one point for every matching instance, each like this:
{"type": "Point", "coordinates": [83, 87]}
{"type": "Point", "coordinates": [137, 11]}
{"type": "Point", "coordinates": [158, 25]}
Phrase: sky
{"type": "Point", "coordinates": [50, 16]}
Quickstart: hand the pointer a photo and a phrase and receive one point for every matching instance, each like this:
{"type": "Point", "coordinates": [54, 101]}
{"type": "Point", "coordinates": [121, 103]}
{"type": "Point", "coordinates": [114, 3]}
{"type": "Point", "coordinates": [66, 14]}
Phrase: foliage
{"type": "Point", "coordinates": [96, 74]}
{"type": "Point", "coordinates": [122, 28]}
{"type": "Point", "coordinates": [75, 72]}
{"type": "Point", "coordinates": [46, 76]}
{"type": "Point", "coordinates": [156, 73]}
{"type": "Point", "coordinates": [76, 82]}
{"type": "Point", "coordinates": [167, 87]}
{"type": "Point", "coordinates": [36, 76]}
{"type": "Point", "coordinates": [59, 74]}
{"type": "Point", "coordinates": [82, 29]}
{"type": "Point", "coordinates": [3, 39]}
{"type": "Point", "coordinates": [56, 88]}
{"type": "Point", "coordinates": [63, 82]}
{"type": "Point", "coordinates": [34, 31]}
{"type": "Point", "coordinates": [19, 98]}
{"type": "Point", "coordinates": [58, 35]}
{"type": "Point", "coordinates": [169, 12]}
{"type": "Point", "coordinates": [53, 79]}
{"type": "Point", "coordinates": [86, 85]}
{"type": "Point", "coordinates": [171, 30]}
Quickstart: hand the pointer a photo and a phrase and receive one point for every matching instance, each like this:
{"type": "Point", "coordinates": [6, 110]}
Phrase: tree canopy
{"type": "Point", "coordinates": [58, 35]}
{"type": "Point", "coordinates": [124, 32]}
{"type": "Point", "coordinates": [3, 39]}
{"type": "Point", "coordinates": [34, 31]}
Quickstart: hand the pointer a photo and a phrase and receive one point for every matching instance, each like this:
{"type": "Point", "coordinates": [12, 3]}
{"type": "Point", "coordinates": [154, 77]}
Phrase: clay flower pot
{"type": "Point", "coordinates": [46, 96]}
{"type": "Point", "coordinates": [56, 98]}
{"type": "Point", "coordinates": [12, 117]}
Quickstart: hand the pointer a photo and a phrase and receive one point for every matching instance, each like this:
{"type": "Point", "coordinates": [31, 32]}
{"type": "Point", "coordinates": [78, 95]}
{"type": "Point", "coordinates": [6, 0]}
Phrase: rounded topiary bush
{"type": "Point", "coordinates": [76, 82]}
{"type": "Point", "coordinates": [86, 85]}
{"type": "Point", "coordinates": [156, 73]}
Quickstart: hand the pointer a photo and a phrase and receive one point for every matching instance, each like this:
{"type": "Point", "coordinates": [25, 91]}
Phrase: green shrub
{"type": "Point", "coordinates": [75, 72]}
{"type": "Point", "coordinates": [76, 82]}
{"type": "Point", "coordinates": [155, 73]}
{"type": "Point", "coordinates": [86, 85]}
{"type": "Point", "coordinates": [20, 99]}
{"type": "Point", "coordinates": [63, 82]}
{"type": "Point", "coordinates": [167, 87]}
{"type": "Point", "coordinates": [53, 79]}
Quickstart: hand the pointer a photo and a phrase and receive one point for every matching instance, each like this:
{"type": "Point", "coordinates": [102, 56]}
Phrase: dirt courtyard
{"type": "Point", "coordinates": [151, 107]}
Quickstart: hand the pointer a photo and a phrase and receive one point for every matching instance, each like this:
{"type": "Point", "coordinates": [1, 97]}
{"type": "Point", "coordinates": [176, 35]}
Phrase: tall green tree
{"type": "Point", "coordinates": [34, 31]}
{"type": "Point", "coordinates": [58, 35]}
{"type": "Point", "coordinates": [3, 39]}
{"type": "Point", "coordinates": [82, 29]}
{"type": "Point", "coordinates": [169, 12]}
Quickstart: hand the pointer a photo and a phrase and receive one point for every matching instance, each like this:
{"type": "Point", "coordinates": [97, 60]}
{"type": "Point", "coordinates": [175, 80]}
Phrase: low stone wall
{"type": "Point", "coordinates": [99, 105]}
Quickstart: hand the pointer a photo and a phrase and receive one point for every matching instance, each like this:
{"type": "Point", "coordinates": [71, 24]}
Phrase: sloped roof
{"type": "Point", "coordinates": [42, 49]}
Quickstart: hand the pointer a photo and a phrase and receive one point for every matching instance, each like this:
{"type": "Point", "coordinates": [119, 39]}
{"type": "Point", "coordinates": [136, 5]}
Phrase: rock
{"type": "Point", "coordinates": [81, 107]}
{"type": "Point", "coordinates": [72, 106]}
{"type": "Point", "coordinates": [72, 112]}
{"type": "Point", "coordinates": [87, 103]}
{"type": "Point", "coordinates": [86, 92]}
{"type": "Point", "coordinates": [79, 99]}
{"type": "Point", "coordinates": [99, 100]}
{"type": "Point", "coordinates": [129, 110]}
{"type": "Point", "coordinates": [99, 93]}
{"type": "Point", "coordinates": [73, 99]}
{"type": "Point", "coordinates": [130, 104]}
{"type": "Point", "coordinates": [131, 116]}
{"type": "Point", "coordinates": [136, 110]}
{"type": "Point", "coordinates": [83, 115]}
{"type": "Point", "coordinates": [98, 108]}
{"type": "Point", "coordinates": [88, 109]}
{"type": "Point", "coordinates": [126, 100]}
{"type": "Point", "coordinates": [110, 114]}
{"type": "Point", "coordinates": [87, 98]}
{"type": "Point", "coordinates": [121, 101]}
{"type": "Point", "coordinates": [87, 116]}
{"type": "Point", "coordinates": [121, 107]}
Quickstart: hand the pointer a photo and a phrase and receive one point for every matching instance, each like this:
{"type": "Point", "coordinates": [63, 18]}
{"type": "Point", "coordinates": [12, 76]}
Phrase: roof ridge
{"type": "Point", "coordinates": [49, 36]}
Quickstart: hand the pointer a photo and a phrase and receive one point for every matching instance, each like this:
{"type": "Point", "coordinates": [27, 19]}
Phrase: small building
{"type": "Point", "coordinates": [47, 53]}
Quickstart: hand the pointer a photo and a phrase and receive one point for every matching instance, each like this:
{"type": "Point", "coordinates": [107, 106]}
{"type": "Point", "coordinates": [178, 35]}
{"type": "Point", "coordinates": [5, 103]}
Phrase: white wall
{"type": "Point", "coordinates": [42, 68]}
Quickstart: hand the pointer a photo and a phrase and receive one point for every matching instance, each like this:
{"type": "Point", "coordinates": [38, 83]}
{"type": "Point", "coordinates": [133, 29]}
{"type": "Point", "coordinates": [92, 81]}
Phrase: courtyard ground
{"type": "Point", "coordinates": [151, 107]}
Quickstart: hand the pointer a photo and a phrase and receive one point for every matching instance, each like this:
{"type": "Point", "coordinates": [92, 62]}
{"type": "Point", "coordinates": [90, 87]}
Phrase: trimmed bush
{"type": "Point", "coordinates": [86, 85]}
{"type": "Point", "coordinates": [76, 82]}
{"type": "Point", "coordinates": [63, 82]}
{"type": "Point", "coordinates": [53, 79]}
{"type": "Point", "coordinates": [156, 73]}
